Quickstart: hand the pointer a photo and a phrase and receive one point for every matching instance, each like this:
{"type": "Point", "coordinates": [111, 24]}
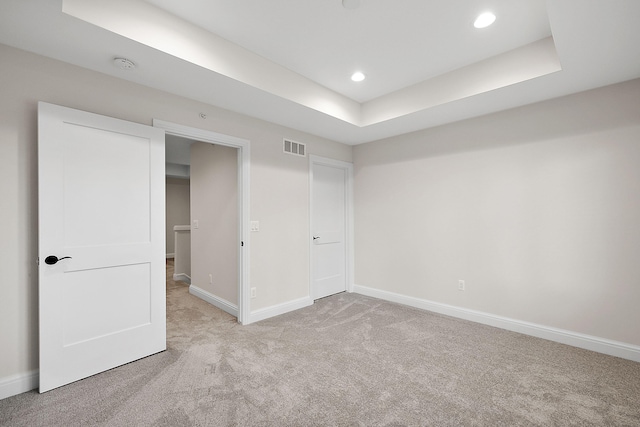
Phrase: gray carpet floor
{"type": "Point", "coordinates": [348, 360]}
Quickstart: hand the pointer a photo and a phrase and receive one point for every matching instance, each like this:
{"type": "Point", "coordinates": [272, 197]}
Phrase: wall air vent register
{"type": "Point", "coordinates": [295, 148]}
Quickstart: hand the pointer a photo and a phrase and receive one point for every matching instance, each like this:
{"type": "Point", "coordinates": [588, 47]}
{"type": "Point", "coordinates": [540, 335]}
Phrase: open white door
{"type": "Point", "coordinates": [329, 220]}
{"type": "Point", "coordinates": [101, 213]}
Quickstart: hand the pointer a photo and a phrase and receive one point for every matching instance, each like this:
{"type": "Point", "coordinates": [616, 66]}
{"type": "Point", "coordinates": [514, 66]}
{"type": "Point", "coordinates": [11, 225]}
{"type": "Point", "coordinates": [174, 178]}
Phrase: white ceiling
{"type": "Point", "coordinates": [289, 61]}
{"type": "Point", "coordinates": [396, 43]}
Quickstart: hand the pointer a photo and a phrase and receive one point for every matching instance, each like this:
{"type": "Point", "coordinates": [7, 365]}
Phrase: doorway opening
{"type": "Point", "coordinates": [217, 168]}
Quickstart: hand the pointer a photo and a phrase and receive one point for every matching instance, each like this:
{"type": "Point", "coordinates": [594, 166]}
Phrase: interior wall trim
{"type": "Point", "coordinates": [278, 309]}
{"type": "Point", "coordinates": [182, 277]}
{"type": "Point", "coordinates": [17, 384]}
{"type": "Point", "coordinates": [244, 198]}
{"type": "Point", "coordinates": [575, 339]}
{"type": "Point", "coordinates": [222, 304]}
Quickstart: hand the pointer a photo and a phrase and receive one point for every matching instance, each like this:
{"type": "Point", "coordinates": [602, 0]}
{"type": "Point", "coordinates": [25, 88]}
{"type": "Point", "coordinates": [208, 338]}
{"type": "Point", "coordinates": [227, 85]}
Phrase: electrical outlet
{"type": "Point", "coordinates": [210, 278]}
{"type": "Point", "coordinates": [253, 292]}
{"type": "Point", "coordinates": [196, 223]}
{"type": "Point", "coordinates": [461, 285]}
{"type": "Point", "coordinates": [255, 226]}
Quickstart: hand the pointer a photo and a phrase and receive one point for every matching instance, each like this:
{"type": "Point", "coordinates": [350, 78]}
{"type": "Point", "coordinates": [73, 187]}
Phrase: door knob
{"type": "Point", "coordinates": [52, 259]}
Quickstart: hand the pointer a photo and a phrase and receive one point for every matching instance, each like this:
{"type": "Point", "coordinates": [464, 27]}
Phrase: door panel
{"type": "Point", "coordinates": [101, 203]}
{"type": "Point", "coordinates": [93, 306]}
{"type": "Point", "coordinates": [329, 230]}
{"type": "Point", "coordinates": [99, 180]}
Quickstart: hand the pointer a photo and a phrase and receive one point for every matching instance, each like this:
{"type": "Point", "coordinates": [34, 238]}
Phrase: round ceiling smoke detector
{"type": "Point", "coordinates": [351, 4]}
{"type": "Point", "coordinates": [124, 63]}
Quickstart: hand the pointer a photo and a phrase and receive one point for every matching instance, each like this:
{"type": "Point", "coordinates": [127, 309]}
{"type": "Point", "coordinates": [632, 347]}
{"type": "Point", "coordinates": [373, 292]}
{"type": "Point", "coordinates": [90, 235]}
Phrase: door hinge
{"type": "Point", "coordinates": [38, 261]}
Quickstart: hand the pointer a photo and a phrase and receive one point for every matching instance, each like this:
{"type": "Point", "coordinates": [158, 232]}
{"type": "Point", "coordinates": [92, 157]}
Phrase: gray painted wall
{"type": "Point", "coordinates": [536, 208]}
{"type": "Point", "coordinates": [214, 203]}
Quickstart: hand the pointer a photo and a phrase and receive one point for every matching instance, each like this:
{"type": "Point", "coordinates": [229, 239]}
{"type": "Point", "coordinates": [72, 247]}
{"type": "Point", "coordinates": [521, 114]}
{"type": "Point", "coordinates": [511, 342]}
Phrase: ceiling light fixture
{"type": "Point", "coordinates": [124, 63]}
{"type": "Point", "coordinates": [484, 20]}
{"type": "Point", "coordinates": [351, 4]}
{"type": "Point", "coordinates": [357, 76]}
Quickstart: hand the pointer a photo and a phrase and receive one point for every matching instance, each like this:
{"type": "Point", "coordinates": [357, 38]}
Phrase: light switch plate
{"type": "Point", "coordinates": [255, 225]}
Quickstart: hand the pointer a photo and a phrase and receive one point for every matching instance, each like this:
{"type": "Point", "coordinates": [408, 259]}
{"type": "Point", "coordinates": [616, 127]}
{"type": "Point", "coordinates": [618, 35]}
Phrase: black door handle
{"type": "Point", "coordinates": [316, 237]}
{"type": "Point", "coordinates": [52, 259]}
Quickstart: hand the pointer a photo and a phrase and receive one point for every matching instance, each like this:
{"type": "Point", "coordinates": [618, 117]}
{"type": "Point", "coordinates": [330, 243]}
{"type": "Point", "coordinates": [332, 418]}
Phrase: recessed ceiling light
{"type": "Point", "coordinates": [357, 76]}
{"type": "Point", "coordinates": [484, 20]}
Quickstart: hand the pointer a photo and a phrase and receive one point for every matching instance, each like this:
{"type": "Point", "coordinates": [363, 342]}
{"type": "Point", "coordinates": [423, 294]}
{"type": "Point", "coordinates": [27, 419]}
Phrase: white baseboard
{"type": "Point", "coordinates": [222, 304]}
{"type": "Point", "coordinates": [182, 278]}
{"type": "Point", "coordinates": [17, 384]}
{"type": "Point", "coordinates": [276, 310]}
{"type": "Point", "coordinates": [588, 342]}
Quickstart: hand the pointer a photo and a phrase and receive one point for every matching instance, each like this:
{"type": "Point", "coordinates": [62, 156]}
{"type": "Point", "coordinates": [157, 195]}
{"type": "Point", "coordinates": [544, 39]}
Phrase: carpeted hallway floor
{"type": "Point", "coordinates": [348, 360]}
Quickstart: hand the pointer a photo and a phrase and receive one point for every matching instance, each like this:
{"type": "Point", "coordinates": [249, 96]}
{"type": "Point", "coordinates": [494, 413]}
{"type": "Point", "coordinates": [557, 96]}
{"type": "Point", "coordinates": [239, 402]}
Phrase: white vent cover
{"type": "Point", "coordinates": [295, 148]}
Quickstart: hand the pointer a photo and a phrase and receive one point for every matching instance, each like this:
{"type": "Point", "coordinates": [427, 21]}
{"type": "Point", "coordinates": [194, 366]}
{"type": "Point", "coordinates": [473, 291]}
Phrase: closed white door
{"type": "Point", "coordinates": [328, 227]}
{"type": "Point", "coordinates": [101, 243]}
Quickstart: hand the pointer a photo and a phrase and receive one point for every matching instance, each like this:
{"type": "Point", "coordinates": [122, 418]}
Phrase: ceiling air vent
{"type": "Point", "coordinates": [295, 148]}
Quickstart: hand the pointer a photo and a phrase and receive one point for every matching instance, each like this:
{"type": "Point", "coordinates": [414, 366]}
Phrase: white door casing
{"type": "Point", "coordinates": [331, 227]}
{"type": "Point", "coordinates": [244, 156]}
{"type": "Point", "coordinates": [101, 203]}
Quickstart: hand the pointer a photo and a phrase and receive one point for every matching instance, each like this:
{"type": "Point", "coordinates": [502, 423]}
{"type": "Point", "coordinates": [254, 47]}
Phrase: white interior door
{"type": "Point", "coordinates": [101, 213]}
{"type": "Point", "coordinates": [329, 229]}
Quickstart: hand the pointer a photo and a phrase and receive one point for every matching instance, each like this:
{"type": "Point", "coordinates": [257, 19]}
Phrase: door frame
{"type": "Point", "coordinates": [243, 146]}
{"type": "Point", "coordinates": [349, 230]}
